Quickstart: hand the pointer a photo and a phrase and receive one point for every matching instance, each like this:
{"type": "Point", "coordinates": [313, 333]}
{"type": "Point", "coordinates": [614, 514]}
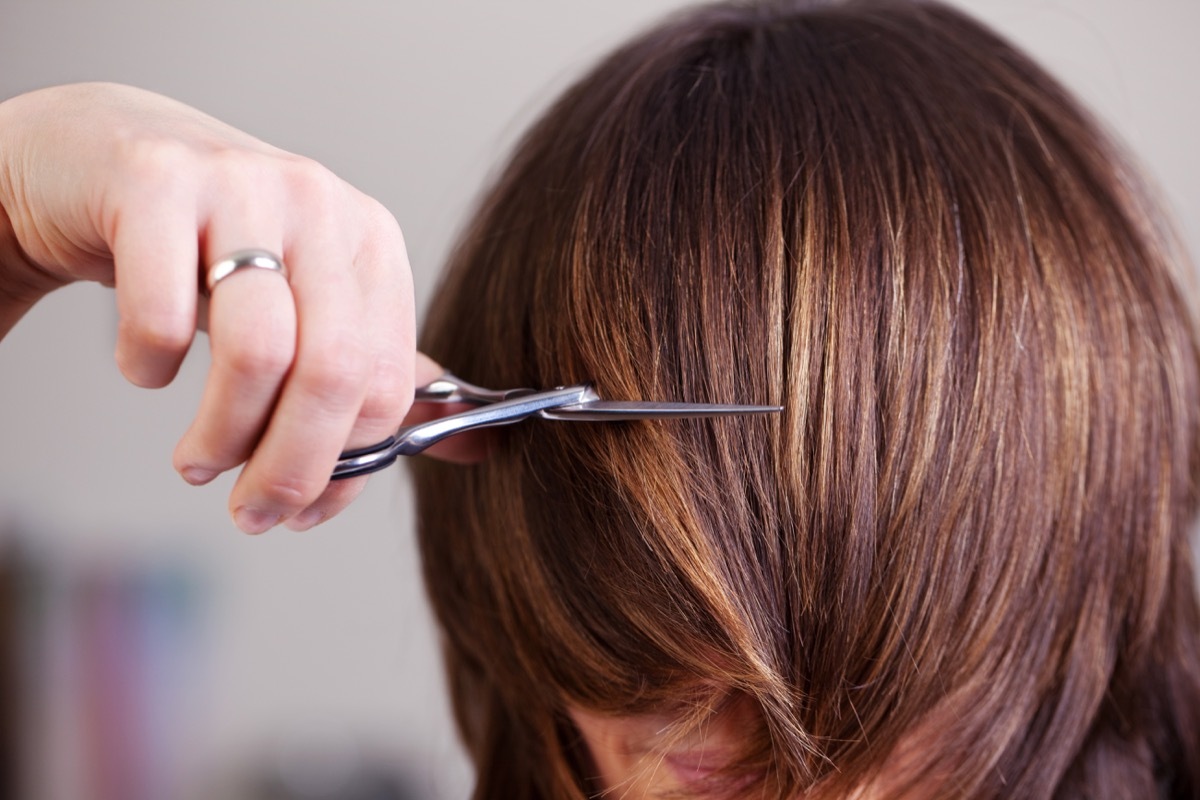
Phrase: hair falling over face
{"type": "Point", "coordinates": [957, 564]}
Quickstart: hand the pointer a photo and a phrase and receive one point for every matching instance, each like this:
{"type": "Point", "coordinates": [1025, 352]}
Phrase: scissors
{"type": "Point", "coordinates": [578, 403]}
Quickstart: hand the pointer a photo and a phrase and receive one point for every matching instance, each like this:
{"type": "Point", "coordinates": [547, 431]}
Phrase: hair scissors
{"type": "Point", "coordinates": [578, 403]}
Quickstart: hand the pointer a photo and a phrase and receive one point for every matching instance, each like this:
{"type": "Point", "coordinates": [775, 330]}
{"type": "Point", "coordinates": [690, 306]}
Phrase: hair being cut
{"type": "Point", "coordinates": [957, 564]}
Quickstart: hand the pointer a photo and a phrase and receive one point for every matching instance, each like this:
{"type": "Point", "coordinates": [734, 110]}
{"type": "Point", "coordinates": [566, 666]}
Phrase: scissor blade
{"type": "Point", "coordinates": [616, 410]}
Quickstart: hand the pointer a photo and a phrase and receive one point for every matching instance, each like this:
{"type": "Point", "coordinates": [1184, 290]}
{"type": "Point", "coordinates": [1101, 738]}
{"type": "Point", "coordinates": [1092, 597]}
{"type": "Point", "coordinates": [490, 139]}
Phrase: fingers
{"type": "Point", "coordinates": [299, 372]}
{"type": "Point", "coordinates": [322, 396]}
{"type": "Point", "coordinates": [252, 334]}
{"type": "Point", "coordinates": [303, 369]}
{"type": "Point", "coordinates": [379, 418]}
{"type": "Point", "coordinates": [154, 250]}
{"type": "Point", "coordinates": [253, 340]}
{"type": "Point", "coordinates": [386, 322]}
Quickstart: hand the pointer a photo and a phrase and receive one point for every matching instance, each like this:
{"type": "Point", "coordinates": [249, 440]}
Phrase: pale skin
{"type": "Point", "coordinates": [115, 185]}
{"type": "Point", "coordinates": [636, 756]}
{"type": "Point", "coordinates": [123, 187]}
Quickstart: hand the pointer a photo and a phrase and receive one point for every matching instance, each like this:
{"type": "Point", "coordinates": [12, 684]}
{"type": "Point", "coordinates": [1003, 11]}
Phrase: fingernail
{"type": "Point", "coordinates": [197, 476]}
{"type": "Point", "coordinates": [305, 519]}
{"type": "Point", "coordinates": [254, 520]}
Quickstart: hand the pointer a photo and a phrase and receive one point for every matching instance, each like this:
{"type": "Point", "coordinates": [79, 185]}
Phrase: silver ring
{"type": "Point", "coordinates": [224, 267]}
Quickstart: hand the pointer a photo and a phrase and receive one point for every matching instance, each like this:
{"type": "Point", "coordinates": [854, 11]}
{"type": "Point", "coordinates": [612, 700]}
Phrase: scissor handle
{"type": "Point", "coordinates": [453, 389]}
{"type": "Point", "coordinates": [414, 439]}
{"type": "Point", "coordinates": [448, 388]}
{"type": "Point", "coordinates": [351, 463]}
{"type": "Point", "coordinates": [578, 403]}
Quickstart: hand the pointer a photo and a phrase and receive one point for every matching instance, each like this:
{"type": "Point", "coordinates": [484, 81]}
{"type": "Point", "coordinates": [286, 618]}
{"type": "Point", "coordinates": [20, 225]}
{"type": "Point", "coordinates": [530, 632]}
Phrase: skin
{"type": "Point", "coordinates": [115, 185]}
{"type": "Point", "coordinates": [635, 756]}
{"type": "Point", "coordinates": [106, 183]}
{"type": "Point", "coordinates": [112, 184]}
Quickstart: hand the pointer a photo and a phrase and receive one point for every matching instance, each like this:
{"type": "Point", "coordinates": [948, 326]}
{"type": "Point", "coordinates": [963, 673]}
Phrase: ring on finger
{"type": "Point", "coordinates": [223, 267]}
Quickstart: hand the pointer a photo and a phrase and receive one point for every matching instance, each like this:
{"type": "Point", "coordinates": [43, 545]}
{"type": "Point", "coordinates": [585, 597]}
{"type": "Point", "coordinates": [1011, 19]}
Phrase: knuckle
{"type": "Point", "coordinates": [156, 159]}
{"type": "Point", "coordinates": [251, 358]}
{"type": "Point", "coordinates": [335, 370]}
{"type": "Point", "coordinates": [290, 491]}
{"type": "Point", "coordinates": [150, 171]}
{"type": "Point", "coordinates": [382, 223]}
{"type": "Point", "coordinates": [381, 234]}
{"type": "Point", "coordinates": [157, 331]}
{"type": "Point", "coordinates": [233, 167]}
{"type": "Point", "coordinates": [313, 183]}
{"type": "Point", "coordinates": [389, 397]}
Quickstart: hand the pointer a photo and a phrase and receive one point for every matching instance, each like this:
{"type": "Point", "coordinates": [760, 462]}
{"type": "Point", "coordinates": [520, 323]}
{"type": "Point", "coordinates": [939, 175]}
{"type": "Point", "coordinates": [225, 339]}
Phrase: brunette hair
{"type": "Point", "coordinates": [957, 563]}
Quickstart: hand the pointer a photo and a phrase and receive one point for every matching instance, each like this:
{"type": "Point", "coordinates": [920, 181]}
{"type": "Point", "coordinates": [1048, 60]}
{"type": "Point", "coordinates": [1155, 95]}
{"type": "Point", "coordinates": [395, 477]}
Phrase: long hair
{"type": "Point", "coordinates": [957, 563]}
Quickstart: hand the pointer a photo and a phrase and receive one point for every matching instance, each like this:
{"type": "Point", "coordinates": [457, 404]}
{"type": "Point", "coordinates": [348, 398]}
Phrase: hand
{"type": "Point", "coordinates": [112, 184]}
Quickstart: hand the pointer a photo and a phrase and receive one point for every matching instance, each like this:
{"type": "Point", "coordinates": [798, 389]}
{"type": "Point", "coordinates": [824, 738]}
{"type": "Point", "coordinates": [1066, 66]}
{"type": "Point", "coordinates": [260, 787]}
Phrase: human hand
{"type": "Point", "coordinates": [113, 184]}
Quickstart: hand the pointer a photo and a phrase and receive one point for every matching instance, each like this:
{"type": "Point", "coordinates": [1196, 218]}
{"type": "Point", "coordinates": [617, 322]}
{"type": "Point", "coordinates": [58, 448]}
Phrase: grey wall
{"type": "Point", "coordinates": [324, 636]}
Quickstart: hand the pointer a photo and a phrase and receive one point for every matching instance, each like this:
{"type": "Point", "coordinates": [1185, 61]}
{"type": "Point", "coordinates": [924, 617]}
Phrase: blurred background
{"type": "Point", "coordinates": [152, 651]}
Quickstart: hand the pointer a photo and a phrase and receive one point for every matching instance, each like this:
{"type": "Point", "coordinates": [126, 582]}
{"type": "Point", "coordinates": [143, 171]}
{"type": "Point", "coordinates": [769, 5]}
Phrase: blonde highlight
{"type": "Point", "coordinates": [957, 564]}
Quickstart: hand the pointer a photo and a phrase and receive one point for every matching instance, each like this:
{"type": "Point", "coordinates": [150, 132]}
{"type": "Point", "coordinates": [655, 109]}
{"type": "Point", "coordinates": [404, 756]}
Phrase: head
{"type": "Point", "coordinates": [956, 564]}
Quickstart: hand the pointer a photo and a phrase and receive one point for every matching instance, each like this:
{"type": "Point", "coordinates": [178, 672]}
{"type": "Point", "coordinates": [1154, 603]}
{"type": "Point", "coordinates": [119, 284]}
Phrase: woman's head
{"type": "Point", "coordinates": [956, 564]}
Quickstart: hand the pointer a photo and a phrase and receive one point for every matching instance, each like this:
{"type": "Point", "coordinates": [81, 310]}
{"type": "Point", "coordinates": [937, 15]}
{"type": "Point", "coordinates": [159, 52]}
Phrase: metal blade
{"type": "Point", "coordinates": [616, 410]}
